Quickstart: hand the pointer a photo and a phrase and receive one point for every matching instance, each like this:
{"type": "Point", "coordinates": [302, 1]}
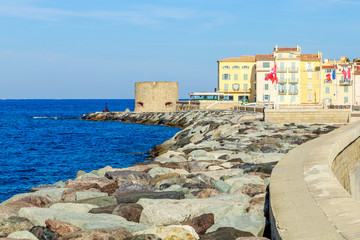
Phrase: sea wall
{"type": "Point", "coordinates": [316, 178]}
{"type": "Point", "coordinates": [307, 115]}
{"type": "Point", "coordinates": [209, 181]}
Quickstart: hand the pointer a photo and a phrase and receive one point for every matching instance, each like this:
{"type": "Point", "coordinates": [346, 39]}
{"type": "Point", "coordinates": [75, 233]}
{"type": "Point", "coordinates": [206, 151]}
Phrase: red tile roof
{"type": "Point", "coordinates": [264, 57]}
{"type": "Point", "coordinates": [285, 49]}
{"type": "Point", "coordinates": [309, 57]}
{"type": "Point", "coordinates": [328, 67]}
{"type": "Point", "coordinates": [239, 59]}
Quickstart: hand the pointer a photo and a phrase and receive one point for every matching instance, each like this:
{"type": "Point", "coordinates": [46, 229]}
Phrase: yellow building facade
{"type": "Point", "coordinates": [310, 80]}
{"type": "Point", "coordinates": [236, 79]}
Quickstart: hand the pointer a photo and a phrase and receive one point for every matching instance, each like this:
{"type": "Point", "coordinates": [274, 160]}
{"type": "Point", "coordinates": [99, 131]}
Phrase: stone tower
{"type": "Point", "coordinates": [156, 96]}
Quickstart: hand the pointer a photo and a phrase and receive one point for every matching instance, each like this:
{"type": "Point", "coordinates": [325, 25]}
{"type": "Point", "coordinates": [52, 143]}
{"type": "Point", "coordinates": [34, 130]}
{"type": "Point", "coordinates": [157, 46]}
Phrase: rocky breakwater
{"type": "Point", "coordinates": [207, 182]}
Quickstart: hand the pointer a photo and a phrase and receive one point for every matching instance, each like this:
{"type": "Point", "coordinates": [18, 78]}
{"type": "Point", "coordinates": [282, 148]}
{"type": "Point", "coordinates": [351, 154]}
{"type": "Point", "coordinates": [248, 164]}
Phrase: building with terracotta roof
{"type": "Point", "coordinates": [310, 78]}
{"type": "Point", "coordinates": [265, 91]}
{"type": "Point", "coordinates": [236, 78]}
{"type": "Point", "coordinates": [288, 68]}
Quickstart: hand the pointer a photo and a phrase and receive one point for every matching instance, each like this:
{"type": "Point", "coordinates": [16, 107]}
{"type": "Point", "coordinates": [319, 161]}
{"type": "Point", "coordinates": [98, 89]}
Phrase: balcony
{"type": "Point", "coordinates": [293, 92]}
{"type": "Point", "coordinates": [294, 80]}
{"type": "Point", "coordinates": [346, 82]}
{"type": "Point", "coordinates": [293, 70]}
{"type": "Point", "coordinates": [282, 91]}
{"type": "Point", "coordinates": [309, 69]}
{"type": "Point", "coordinates": [282, 70]}
{"type": "Point", "coordinates": [282, 81]}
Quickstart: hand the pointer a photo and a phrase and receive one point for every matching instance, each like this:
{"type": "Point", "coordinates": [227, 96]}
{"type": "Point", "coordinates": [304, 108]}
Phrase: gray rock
{"type": "Point", "coordinates": [99, 201]}
{"type": "Point", "coordinates": [222, 186]}
{"type": "Point", "coordinates": [249, 223]}
{"type": "Point", "coordinates": [14, 224]}
{"type": "Point", "coordinates": [131, 188]}
{"type": "Point", "coordinates": [134, 197]}
{"type": "Point", "coordinates": [22, 235]}
{"type": "Point", "coordinates": [86, 195]}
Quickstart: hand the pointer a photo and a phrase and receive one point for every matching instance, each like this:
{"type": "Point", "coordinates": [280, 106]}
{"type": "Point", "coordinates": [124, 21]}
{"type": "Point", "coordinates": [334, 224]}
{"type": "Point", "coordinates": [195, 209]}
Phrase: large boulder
{"type": "Point", "coordinates": [248, 223]}
{"type": "Point", "coordinates": [116, 233]}
{"type": "Point", "coordinates": [129, 211]}
{"type": "Point", "coordinates": [133, 187]}
{"type": "Point", "coordinates": [14, 224]}
{"type": "Point", "coordinates": [61, 227]}
{"type": "Point", "coordinates": [129, 176]}
{"type": "Point", "coordinates": [172, 232]}
{"type": "Point", "coordinates": [22, 235]}
{"type": "Point", "coordinates": [103, 184]}
{"type": "Point", "coordinates": [226, 233]}
{"type": "Point", "coordinates": [134, 197]}
{"type": "Point", "coordinates": [44, 233]}
{"type": "Point", "coordinates": [201, 223]}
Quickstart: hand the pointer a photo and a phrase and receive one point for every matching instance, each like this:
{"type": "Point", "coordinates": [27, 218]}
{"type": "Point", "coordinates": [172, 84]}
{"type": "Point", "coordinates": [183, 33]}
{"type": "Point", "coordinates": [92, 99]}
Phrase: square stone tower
{"type": "Point", "coordinates": [156, 96]}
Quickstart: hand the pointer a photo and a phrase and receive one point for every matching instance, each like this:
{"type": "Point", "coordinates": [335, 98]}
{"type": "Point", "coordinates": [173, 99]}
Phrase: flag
{"type": "Point", "coordinates": [344, 72]}
{"type": "Point", "coordinates": [349, 73]}
{"type": "Point", "coordinates": [328, 77]}
{"type": "Point", "coordinates": [272, 75]}
{"type": "Point", "coordinates": [333, 74]}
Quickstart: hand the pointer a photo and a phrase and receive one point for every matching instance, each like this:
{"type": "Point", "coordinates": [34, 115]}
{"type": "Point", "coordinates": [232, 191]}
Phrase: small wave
{"type": "Point", "coordinates": [54, 118]}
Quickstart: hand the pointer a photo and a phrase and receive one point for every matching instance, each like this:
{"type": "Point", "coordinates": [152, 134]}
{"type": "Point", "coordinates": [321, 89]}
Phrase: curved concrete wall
{"type": "Point", "coordinates": [156, 96]}
{"type": "Point", "coordinates": [307, 200]}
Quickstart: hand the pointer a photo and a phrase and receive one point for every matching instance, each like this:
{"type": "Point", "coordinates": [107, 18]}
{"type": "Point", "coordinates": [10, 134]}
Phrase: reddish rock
{"type": "Point", "coordinates": [69, 195]}
{"type": "Point", "coordinates": [201, 223]}
{"type": "Point", "coordinates": [12, 208]}
{"type": "Point", "coordinates": [103, 184]}
{"type": "Point", "coordinates": [44, 233]}
{"type": "Point", "coordinates": [251, 189]}
{"type": "Point", "coordinates": [129, 211]}
{"type": "Point", "coordinates": [61, 227]}
{"type": "Point", "coordinates": [163, 177]}
{"type": "Point", "coordinates": [39, 201]}
{"type": "Point", "coordinates": [208, 192]}
{"type": "Point", "coordinates": [117, 233]}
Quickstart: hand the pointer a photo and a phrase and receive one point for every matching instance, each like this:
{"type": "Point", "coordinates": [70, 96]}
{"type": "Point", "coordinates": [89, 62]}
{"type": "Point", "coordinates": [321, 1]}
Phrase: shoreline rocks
{"type": "Point", "coordinates": [209, 181]}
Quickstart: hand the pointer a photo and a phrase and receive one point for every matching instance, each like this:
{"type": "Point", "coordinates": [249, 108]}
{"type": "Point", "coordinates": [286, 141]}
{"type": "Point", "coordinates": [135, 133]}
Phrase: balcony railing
{"type": "Point", "coordinates": [282, 81]}
{"type": "Point", "coordinates": [293, 70]}
{"type": "Point", "coordinates": [282, 70]}
{"type": "Point", "coordinates": [345, 82]}
{"type": "Point", "coordinates": [309, 69]}
{"type": "Point", "coordinates": [293, 91]}
{"type": "Point", "coordinates": [294, 80]}
{"type": "Point", "coordinates": [282, 91]}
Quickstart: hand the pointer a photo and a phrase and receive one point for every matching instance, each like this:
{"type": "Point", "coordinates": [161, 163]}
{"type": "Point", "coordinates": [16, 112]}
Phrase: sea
{"type": "Point", "coordinates": [45, 141]}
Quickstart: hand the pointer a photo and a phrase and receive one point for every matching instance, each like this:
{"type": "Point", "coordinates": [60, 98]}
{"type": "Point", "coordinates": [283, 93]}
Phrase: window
{"type": "Point", "coordinates": [309, 75]}
{"type": "Point", "coordinates": [235, 77]}
{"type": "Point", "coordinates": [255, 86]}
{"type": "Point", "coordinates": [231, 98]}
{"type": "Point", "coordinates": [236, 87]}
{"type": "Point", "coordinates": [327, 70]}
{"type": "Point", "coordinates": [226, 67]}
{"type": "Point", "coordinates": [293, 98]}
{"type": "Point", "coordinates": [327, 90]}
{"type": "Point", "coordinates": [293, 88]}
{"type": "Point", "coordinates": [293, 77]}
{"type": "Point", "coordinates": [309, 86]}
{"type": "Point", "coordinates": [291, 55]}
{"type": "Point", "coordinates": [282, 88]}
{"type": "Point", "coordinates": [309, 66]}
{"type": "Point", "coordinates": [266, 64]}
{"type": "Point", "coordinates": [280, 55]}
{"type": "Point", "coordinates": [266, 97]}
{"type": "Point", "coordinates": [346, 89]}
{"type": "Point", "coordinates": [282, 67]}
{"type": "Point", "coordinates": [293, 68]}
{"type": "Point", "coordinates": [226, 87]}
{"type": "Point", "coordinates": [282, 79]}
{"type": "Point", "coordinates": [309, 97]}
{"type": "Point", "coordinates": [236, 67]}
{"type": "Point", "coordinates": [266, 86]}
{"type": "Point", "coordinates": [346, 100]}
{"type": "Point", "coordinates": [245, 87]}
{"type": "Point", "coordinates": [245, 77]}
{"type": "Point", "coordinates": [226, 76]}
{"type": "Point", "coordinates": [245, 67]}
{"type": "Point", "coordinates": [282, 98]}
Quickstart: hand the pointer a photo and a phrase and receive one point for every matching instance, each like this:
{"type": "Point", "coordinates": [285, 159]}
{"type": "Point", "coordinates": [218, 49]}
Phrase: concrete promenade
{"type": "Point", "coordinates": [307, 199]}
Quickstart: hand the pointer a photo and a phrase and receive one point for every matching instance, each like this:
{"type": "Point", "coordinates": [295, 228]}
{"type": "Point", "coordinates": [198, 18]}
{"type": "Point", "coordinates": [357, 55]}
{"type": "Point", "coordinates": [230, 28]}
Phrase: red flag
{"type": "Point", "coordinates": [344, 72]}
{"type": "Point", "coordinates": [349, 73]}
{"type": "Point", "coordinates": [272, 75]}
{"type": "Point", "coordinates": [328, 77]}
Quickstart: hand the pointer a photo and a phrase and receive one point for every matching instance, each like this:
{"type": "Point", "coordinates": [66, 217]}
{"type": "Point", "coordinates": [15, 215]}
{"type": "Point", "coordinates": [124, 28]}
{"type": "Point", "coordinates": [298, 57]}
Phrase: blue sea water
{"type": "Point", "coordinates": [44, 141]}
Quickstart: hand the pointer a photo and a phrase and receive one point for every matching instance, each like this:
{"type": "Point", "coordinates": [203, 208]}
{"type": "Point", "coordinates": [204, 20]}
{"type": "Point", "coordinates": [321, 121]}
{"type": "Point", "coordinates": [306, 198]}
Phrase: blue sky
{"type": "Point", "coordinates": [100, 48]}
